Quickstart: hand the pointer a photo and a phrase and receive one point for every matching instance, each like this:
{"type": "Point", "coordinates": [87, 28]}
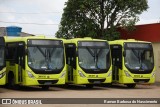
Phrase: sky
{"type": "Point", "coordinates": [42, 17]}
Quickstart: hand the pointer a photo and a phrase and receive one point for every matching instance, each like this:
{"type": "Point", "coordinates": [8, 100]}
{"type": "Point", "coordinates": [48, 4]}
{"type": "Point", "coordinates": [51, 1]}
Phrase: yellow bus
{"type": "Point", "coordinates": [35, 61]}
{"type": "Point", "coordinates": [88, 61]}
{"type": "Point", "coordinates": [133, 62]}
{"type": "Point", "coordinates": [2, 62]}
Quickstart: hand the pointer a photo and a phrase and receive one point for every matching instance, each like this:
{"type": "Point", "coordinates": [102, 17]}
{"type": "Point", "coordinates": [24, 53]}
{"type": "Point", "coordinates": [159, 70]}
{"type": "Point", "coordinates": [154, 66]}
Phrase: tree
{"type": "Point", "coordinates": [99, 18]}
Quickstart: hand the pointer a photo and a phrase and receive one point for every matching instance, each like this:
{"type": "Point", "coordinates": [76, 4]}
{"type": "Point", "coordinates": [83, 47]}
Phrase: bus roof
{"type": "Point", "coordinates": [75, 40]}
{"type": "Point", "coordinates": [122, 41]}
{"type": "Point", "coordinates": [16, 39]}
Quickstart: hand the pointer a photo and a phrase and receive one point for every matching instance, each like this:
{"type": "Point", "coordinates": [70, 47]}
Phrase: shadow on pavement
{"type": "Point", "coordinates": [81, 87]}
{"type": "Point", "coordinates": [138, 86]}
{"type": "Point", "coordinates": [30, 88]}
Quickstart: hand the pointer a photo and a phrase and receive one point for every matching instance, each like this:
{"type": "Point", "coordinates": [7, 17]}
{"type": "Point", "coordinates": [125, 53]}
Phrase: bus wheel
{"type": "Point", "coordinates": [11, 83]}
{"type": "Point", "coordinates": [108, 84]}
{"type": "Point", "coordinates": [66, 85]}
{"type": "Point", "coordinates": [131, 85]}
{"type": "Point", "coordinates": [45, 87]}
{"type": "Point", "coordinates": [89, 85]}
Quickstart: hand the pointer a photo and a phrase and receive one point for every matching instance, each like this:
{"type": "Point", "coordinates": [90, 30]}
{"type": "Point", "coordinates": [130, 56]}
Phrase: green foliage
{"type": "Point", "coordinates": [99, 18]}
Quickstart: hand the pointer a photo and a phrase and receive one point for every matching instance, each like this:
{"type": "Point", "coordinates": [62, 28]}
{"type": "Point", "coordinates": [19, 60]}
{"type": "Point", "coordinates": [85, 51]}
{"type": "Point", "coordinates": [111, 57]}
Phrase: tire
{"type": "Point", "coordinates": [131, 85]}
{"type": "Point", "coordinates": [45, 87]}
{"type": "Point", "coordinates": [66, 85]}
{"type": "Point", "coordinates": [108, 84]}
{"type": "Point", "coordinates": [11, 83]}
{"type": "Point", "coordinates": [89, 86]}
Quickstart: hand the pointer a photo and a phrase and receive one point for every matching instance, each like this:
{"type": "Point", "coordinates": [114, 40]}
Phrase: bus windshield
{"type": "Point", "coordinates": [46, 57]}
{"type": "Point", "coordinates": [1, 56]}
{"type": "Point", "coordinates": [94, 55]}
{"type": "Point", "coordinates": [139, 57]}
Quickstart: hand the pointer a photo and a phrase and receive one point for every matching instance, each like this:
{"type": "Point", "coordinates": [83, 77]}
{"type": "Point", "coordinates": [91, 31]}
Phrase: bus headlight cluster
{"type": "Point", "coordinates": [109, 74]}
{"type": "Point", "coordinates": [127, 74]}
{"type": "Point", "coordinates": [2, 74]}
{"type": "Point", "coordinates": [81, 74]}
{"type": "Point", "coordinates": [63, 74]}
{"type": "Point", "coordinates": [153, 74]}
{"type": "Point", "coordinates": [30, 74]}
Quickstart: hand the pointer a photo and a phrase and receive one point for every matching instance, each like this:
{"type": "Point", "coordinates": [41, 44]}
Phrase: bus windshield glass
{"type": "Point", "coordinates": [93, 55]}
{"type": "Point", "coordinates": [45, 55]}
{"type": "Point", "coordinates": [139, 56]}
{"type": "Point", "coordinates": [2, 56]}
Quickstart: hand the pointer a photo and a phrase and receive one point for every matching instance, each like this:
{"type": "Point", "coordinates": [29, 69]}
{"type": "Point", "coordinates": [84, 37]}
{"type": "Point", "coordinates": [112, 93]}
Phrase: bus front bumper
{"type": "Point", "coordinates": [128, 80]}
{"type": "Point", "coordinates": [33, 81]}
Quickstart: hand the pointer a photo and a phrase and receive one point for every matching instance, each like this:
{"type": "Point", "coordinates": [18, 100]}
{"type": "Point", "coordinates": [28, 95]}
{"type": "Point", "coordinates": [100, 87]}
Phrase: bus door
{"type": "Point", "coordinates": [70, 60]}
{"type": "Point", "coordinates": [116, 52]}
{"type": "Point", "coordinates": [20, 60]}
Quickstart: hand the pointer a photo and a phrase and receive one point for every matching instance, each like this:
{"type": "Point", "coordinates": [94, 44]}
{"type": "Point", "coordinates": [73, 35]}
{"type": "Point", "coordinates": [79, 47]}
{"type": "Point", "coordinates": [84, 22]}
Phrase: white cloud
{"type": "Point", "coordinates": [36, 6]}
{"type": "Point", "coordinates": [6, 16]}
{"type": "Point", "coordinates": [42, 6]}
{"type": "Point", "coordinates": [151, 15]}
{"type": "Point", "coordinates": [52, 5]}
{"type": "Point", "coordinates": [147, 21]}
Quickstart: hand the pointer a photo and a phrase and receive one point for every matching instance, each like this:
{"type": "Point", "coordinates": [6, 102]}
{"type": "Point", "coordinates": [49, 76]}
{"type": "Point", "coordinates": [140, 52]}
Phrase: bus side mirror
{"type": "Point", "coordinates": [124, 53]}
{"type": "Point", "coordinates": [151, 54]}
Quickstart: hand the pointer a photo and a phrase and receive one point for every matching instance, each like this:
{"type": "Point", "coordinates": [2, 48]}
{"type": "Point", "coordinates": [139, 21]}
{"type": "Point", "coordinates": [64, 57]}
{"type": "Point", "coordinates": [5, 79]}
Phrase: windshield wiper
{"type": "Point", "coordinates": [41, 51]}
{"type": "Point", "coordinates": [89, 50]}
{"type": "Point", "coordinates": [94, 55]}
{"type": "Point", "coordinates": [138, 55]}
{"type": "Point", "coordinates": [48, 58]}
{"type": "Point", "coordinates": [51, 53]}
{"type": "Point", "coordinates": [96, 58]}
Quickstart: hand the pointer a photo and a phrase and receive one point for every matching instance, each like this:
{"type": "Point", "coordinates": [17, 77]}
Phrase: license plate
{"type": "Point", "coordinates": [48, 83]}
{"type": "Point", "coordinates": [97, 82]}
{"type": "Point", "coordinates": [43, 76]}
{"type": "Point", "coordinates": [141, 82]}
{"type": "Point", "coordinates": [138, 76]}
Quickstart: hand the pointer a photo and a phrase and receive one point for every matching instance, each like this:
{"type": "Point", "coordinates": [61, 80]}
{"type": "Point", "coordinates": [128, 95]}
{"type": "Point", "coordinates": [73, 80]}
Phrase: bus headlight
{"type": "Point", "coordinates": [109, 74]}
{"type": "Point", "coordinates": [127, 74]}
{"type": "Point", "coordinates": [153, 75]}
{"type": "Point", "coordinates": [63, 74]}
{"type": "Point", "coordinates": [30, 74]}
{"type": "Point", "coordinates": [81, 74]}
{"type": "Point", "coordinates": [2, 74]}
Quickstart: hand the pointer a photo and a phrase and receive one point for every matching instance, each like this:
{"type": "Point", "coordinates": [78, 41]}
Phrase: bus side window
{"type": "Point", "coordinates": [74, 57]}
{"type": "Point", "coordinates": [116, 53]}
{"type": "Point", "coordinates": [11, 52]}
{"type": "Point", "coordinates": [16, 53]}
{"type": "Point", "coordinates": [21, 55]}
{"type": "Point", "coordinates": [71, 55]}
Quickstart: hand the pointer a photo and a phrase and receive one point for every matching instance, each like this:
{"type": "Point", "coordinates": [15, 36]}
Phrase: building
{"type": "Point", "coordinates": [147, 32]}
{"type": "Point", "coordinates": [3, 32]}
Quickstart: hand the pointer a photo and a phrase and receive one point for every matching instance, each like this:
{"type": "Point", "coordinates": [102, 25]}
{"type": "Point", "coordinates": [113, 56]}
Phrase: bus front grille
{"type": "Point", "coordinates": [96, 80]}
{"type": "Point", "coordinates": [47, 82]}
{"type": "Point", "coordinates": [141, 80]}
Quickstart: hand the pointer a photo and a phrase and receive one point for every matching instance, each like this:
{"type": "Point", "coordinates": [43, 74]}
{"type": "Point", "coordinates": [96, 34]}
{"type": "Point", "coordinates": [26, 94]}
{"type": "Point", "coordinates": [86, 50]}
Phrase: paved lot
{"type": "Point", "coordinates": [115, 91]}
